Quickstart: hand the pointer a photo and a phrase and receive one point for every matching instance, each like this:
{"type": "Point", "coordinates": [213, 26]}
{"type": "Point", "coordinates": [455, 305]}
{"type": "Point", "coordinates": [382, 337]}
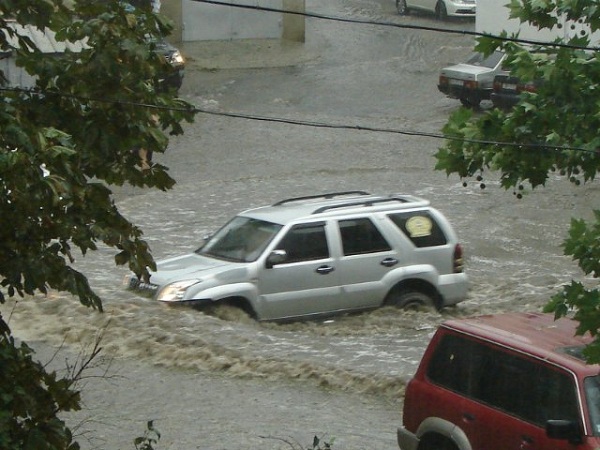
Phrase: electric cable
{"type": "Point", "coordinates": [313, 124]}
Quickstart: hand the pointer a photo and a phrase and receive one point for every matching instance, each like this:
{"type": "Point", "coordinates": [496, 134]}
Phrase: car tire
{"type": "Point", "coordinates": [441, 12]}
{"type": "Point", "coordinates": [401, 7]}
{"type": "Point", "coordinates": [410, 299]}
{"type": "Point", "coordinates": [436, 442]}
{"type": "Point", "coordinates": [470, 103]}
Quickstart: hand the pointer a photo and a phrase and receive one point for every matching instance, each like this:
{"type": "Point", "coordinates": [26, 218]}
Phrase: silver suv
{"type": "Point", "coordinates": [320, 255]}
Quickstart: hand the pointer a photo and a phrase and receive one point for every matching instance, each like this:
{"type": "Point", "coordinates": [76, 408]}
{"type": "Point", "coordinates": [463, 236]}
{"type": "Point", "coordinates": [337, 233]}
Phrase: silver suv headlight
{"type": "Point", "coordinates": [175, 292]}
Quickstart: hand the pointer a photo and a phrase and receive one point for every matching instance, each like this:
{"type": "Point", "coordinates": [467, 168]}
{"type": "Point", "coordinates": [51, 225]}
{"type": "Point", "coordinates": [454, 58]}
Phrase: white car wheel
{"type": "Point", "coordinates": [401, 7]}
{"type": "Point", "coordinates": [441, 11]}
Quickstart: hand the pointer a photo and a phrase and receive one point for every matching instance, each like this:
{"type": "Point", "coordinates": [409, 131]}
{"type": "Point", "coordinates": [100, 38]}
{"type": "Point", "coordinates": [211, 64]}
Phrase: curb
{"type": "Point", "coordinates": [244, 54]}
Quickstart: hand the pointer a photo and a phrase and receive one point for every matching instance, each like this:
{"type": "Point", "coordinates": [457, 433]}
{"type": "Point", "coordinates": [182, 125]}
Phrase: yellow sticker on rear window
{"type": "Point", "coordinates": [419, 226]}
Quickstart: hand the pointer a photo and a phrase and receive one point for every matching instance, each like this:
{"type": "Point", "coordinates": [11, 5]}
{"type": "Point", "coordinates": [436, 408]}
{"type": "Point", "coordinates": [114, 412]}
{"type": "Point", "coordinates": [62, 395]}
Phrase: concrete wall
{"type": "Point", "coordinates": [293, 24]}
{"type": "Point", "coordinates": [197, 21]}
{"type": "Point", "coordinates": [45, 41]}
{"type": "Point", "coordinates": [16, 76]}
{"type": "Point", "coordinates": [493, 17]}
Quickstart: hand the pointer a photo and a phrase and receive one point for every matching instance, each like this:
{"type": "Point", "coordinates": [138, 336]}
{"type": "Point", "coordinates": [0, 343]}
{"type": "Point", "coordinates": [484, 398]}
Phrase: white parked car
{"type": "Point", "coordinates": [441, 8]}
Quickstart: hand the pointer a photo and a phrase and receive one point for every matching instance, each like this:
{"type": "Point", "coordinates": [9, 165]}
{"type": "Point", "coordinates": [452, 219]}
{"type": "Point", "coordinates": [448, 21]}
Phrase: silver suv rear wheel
{"type": "Point", "coordinates": [410, 299]}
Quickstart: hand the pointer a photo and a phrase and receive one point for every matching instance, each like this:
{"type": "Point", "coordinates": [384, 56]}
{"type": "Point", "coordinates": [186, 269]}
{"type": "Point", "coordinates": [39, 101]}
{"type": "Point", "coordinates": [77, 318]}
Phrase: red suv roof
{"type": "Point", "coordinates": [534, 333]}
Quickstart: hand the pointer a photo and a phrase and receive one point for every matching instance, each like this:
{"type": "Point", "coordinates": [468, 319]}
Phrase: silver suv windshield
{"type": "Point", "coordinates": [243, 239]}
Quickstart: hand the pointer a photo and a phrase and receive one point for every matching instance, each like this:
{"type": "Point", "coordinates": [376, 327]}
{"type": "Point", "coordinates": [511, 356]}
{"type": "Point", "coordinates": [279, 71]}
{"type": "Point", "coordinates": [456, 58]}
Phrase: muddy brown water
{"type": "Point", "coordinates": [223, 381]}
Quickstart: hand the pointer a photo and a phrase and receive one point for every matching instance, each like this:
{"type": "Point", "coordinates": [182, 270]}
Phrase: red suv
{"type": "Point", "coordinates": [513, 381]}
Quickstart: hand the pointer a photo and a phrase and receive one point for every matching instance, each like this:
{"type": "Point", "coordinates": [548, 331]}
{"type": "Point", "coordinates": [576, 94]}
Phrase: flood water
{"type": "Point", "coordinates": [360, 75]}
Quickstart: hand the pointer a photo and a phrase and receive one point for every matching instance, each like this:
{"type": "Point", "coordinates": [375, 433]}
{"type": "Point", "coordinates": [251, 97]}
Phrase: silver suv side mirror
{"type": "Point", "coordinates": [276, 257]}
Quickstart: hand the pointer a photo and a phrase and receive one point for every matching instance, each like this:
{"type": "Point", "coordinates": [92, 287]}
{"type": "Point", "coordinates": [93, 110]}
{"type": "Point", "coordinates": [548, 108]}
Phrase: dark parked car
{"type": "Point", "coordinates": [507, 90]}
{"type": "Point", "coordinates": [471, 81]}
{"type": "Point", "coordinates": [173, 79]}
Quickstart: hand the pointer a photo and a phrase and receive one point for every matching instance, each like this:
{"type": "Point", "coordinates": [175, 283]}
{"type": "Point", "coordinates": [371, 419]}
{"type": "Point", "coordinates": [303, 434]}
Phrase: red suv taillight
{"type": "Point", "coordinates": [458, 264]}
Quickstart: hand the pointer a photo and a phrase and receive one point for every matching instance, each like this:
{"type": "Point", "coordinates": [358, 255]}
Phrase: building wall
{"type": "Point", "coordinates": [493, 17]}
{"type": "Point", "coordinates": [173, 10]}
{"type": "Point", "coordinates": [196, 21]}
{"type": "Point", "coordinates": [16, 76]}
{"type": "Point", "coordinates": [293, 24]}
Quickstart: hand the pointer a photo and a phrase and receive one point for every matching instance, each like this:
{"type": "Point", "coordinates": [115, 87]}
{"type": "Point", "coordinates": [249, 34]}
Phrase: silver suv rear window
{"type": "Point", "coordinates": [420, 227]}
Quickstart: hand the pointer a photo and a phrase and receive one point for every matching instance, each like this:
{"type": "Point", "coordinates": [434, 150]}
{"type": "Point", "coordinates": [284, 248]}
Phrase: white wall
{"type": "Point", "coordinates": [493, 16]}
{"type": "Point", "coordinates": [17, 76]}
{"type": "Point", "coordinates": [202, 21]}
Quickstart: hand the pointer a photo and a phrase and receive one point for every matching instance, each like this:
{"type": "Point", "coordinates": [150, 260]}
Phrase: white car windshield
{"type": "Point", "coordinates": [243, 239]}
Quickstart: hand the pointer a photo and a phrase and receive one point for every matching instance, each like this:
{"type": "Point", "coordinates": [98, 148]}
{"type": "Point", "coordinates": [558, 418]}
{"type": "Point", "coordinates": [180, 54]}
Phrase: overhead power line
{"type": "Point", "coordinates": [396, 25]}
{"type": "Point", "coordinates": [312, 124]}
{"type": "Point", "coordinates": [391, 131]}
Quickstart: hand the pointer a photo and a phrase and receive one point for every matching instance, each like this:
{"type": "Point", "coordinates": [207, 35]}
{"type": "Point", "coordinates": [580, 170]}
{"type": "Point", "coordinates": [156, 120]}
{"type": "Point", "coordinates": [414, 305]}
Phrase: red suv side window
{"type": "Point", "coordinates": [522, 387]}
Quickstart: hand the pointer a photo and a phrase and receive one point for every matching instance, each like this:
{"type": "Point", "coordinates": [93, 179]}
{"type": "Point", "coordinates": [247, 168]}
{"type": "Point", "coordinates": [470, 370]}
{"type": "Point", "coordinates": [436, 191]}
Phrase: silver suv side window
{"type": "Point", "coordinates": [519, 386]}
{"type": "Point", "coordinates": [305, 242]}
{"type": "Point", "coordinates": [360, 236]}
{"type": "Point", "coordinates": [420, 227]}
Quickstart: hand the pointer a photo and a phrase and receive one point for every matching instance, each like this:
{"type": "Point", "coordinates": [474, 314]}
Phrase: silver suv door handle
{"type": "Point", "coordinates": [389, 262]}
{"type": "Point", "coordinates": [324, 270]}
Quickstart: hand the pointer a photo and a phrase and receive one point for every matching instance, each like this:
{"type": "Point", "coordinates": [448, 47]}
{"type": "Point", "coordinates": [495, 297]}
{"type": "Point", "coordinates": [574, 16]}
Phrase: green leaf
{"type": "Point", "coordinates": [543, 135]}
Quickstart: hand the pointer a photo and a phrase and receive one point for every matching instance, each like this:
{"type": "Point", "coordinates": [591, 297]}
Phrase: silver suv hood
{"type": "Point", "coordinates": [188, 266]}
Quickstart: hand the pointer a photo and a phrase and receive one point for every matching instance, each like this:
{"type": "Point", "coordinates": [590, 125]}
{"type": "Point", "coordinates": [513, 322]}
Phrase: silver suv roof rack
{"type": "Point", "coordinates": [359, 203]}
{"type": "Point", "coordinates": [325, 196]}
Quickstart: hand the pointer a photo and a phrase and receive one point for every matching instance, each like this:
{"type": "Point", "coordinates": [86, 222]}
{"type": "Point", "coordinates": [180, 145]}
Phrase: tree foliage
{"type": "Point", "coordinates": [553, 131]}
{"type": "Point", "coordinates": [63, 144]}
{"type": "Point", "coordinates": [31, 398]}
